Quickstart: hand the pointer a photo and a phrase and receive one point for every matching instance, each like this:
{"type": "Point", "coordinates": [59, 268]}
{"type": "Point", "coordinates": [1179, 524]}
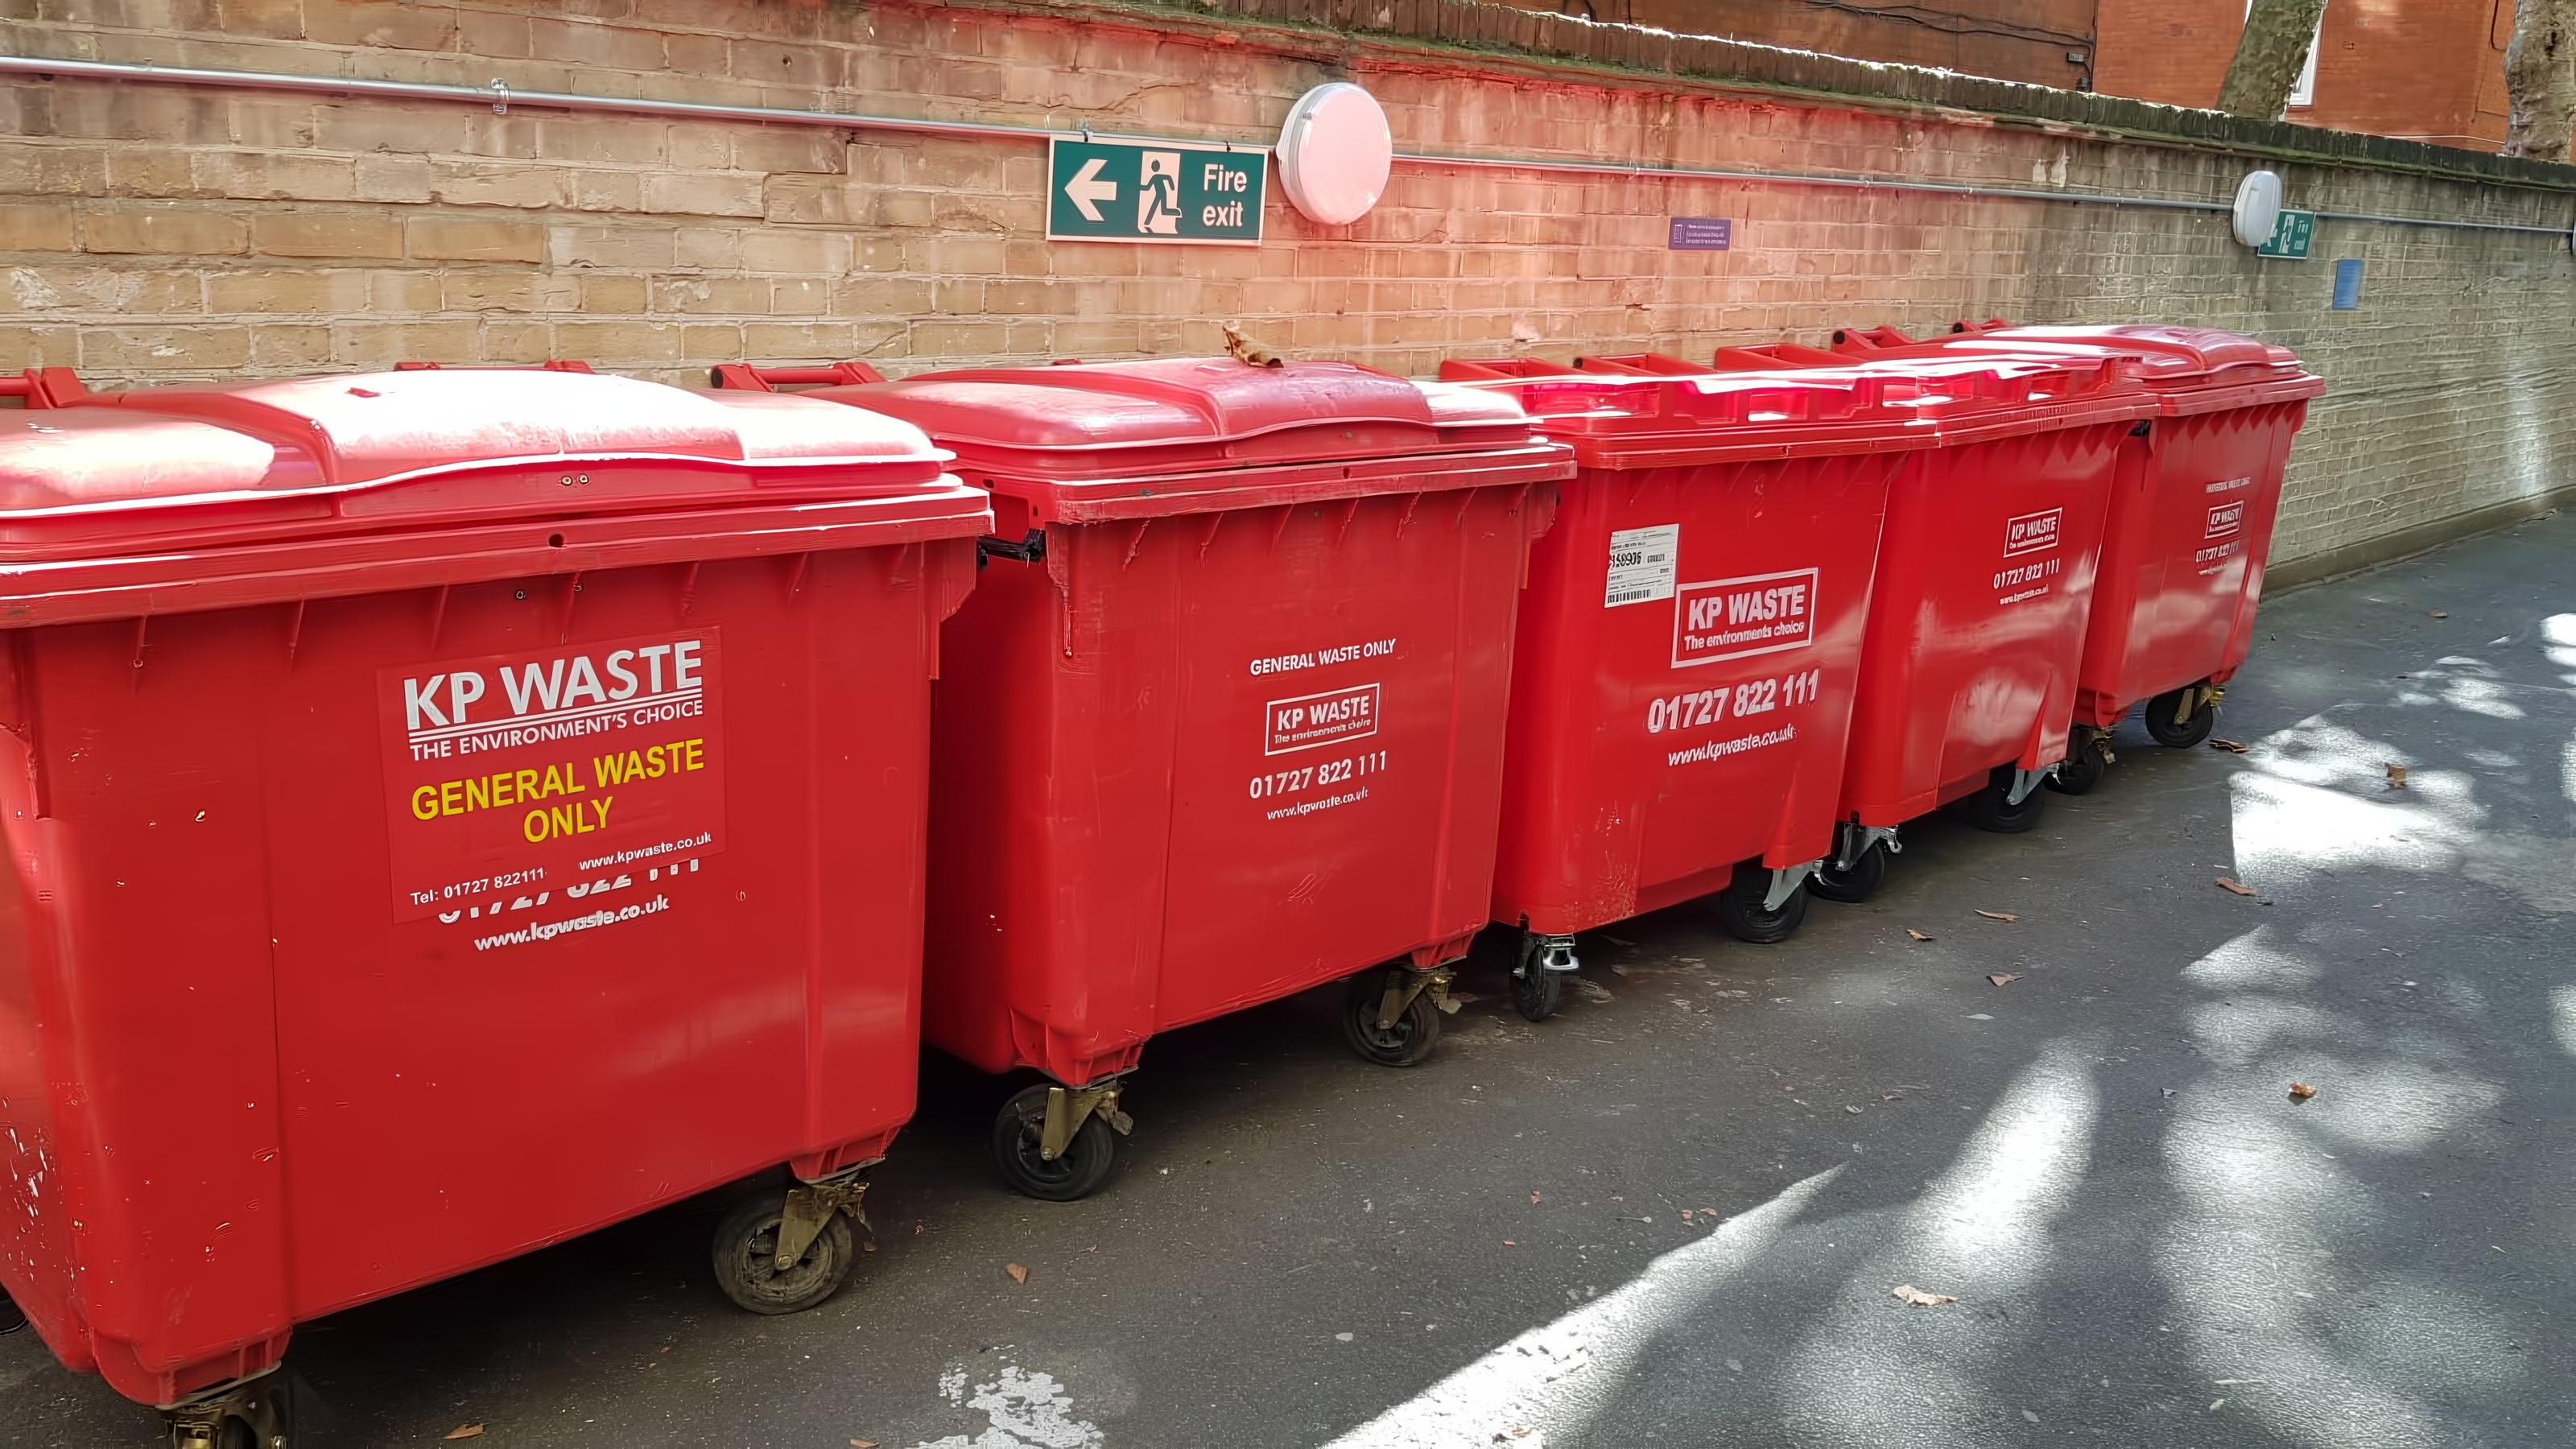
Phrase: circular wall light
{"type": "Point", "coordinates": [1334, 153]}
{"type": "Point", "coordinates": [2258, 207]}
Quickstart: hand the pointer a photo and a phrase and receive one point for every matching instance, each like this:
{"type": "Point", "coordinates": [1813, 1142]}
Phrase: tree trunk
{"type": "Point", "coordinates": [2269, 57]}
{"type": "Point", "coordinates": [2540, 78]}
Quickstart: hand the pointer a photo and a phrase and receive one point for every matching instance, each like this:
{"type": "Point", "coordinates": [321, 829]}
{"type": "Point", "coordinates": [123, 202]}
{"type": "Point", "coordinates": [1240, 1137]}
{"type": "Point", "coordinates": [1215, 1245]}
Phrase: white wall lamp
{"type": "Point", "coordinates": [1334, 153]}
{"type": "Point", "coordinates": [2258, 207]}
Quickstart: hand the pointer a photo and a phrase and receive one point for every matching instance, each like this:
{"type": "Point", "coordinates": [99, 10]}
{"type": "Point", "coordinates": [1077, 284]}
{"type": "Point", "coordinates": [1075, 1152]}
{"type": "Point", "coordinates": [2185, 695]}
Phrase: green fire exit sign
{"type": "Point", "coordinates": [2291, 235]}
{"type": "Point", "coordinates": [1165, 192]}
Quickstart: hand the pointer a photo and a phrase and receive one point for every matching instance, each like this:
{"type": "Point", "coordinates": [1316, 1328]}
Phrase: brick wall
{"type": "Point", "coordinates": [2018, 40]}
{"type": "Point", "coordinates": [151, 233]}
{"type": "Point", "coordinates": [2425, 70]}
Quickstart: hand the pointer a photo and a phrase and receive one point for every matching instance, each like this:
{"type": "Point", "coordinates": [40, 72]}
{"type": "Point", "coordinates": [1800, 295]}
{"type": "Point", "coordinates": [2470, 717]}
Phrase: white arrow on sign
{"type": "Point", "coordinates": [1086, 188]}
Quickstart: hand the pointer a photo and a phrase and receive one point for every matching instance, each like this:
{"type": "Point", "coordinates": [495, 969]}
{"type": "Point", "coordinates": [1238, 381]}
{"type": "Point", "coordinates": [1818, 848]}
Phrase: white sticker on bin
{"type": "Point", "coordinates": [1642, 564]}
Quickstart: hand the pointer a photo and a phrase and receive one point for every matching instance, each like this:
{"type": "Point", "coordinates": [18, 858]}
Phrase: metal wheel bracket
{"type": "Point", "coordinates": [809, 1210]}
{"type": "Point", "coordinates": [1855, 841]}
{"type": "Point", "coordinates": [1549, 953]}
{"type": "Point", "coordinates": [197, 1422]}
{"type": "Point", "coordinates": [2025, 781]}
{"type": "Point", "coordinates": [1786, 883]}
{"type": "Point", "coordinates": [1401, 991]}
{"type": "Point", "coordinates": [1069, 1107]}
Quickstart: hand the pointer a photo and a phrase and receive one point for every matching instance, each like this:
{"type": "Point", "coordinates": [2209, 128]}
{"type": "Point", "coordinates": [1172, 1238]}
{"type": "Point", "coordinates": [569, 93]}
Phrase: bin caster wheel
{"type": "Point", "coordinates": [1853, 886]}
{"type": "Point", "coordinates": [1741, 909]}
{"type": "Point", "coordinates": [746, 1257]}
{"type": "Point", "coordinates": [1535, 988]}
{"type": "Point", "coordinates": [259, 1414]}
{"type": "Point", "coordinates": [2086, 761]}
{"type": "Point", "coordinates": [1993, 808]}
{"type": "Point", "coordinates": [1019, 1136]}
{"type": "Point", "coordinates": [2188, 730]}
{"type": "Point", "coordinates": [1408, 1039]}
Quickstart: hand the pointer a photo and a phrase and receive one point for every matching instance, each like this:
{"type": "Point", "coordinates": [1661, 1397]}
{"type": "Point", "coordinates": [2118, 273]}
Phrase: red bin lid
{"type": "Point", "coordinates": [363, 451]}
{"type": "Point", "coordinates": [1183, 434]}
{"type": "Point", "coordinates": [2172, 360]}
{"type": "Point", "coordinates": [1623, 416]}
{"type": "Point", "coordinates": [171, 499]}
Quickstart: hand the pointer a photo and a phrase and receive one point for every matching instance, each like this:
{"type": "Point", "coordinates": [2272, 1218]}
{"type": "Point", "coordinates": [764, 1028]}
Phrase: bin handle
{"type": "Point", "coordinates": [751, 377]}
{"type": "Point", "coordinates": [45, 387]}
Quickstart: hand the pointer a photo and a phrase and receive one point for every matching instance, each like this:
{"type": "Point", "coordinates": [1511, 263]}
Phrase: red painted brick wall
{"type": "Point", "coordinates": [2427, 70]}
{"type": "Point", "coordinates": [2022, 40]}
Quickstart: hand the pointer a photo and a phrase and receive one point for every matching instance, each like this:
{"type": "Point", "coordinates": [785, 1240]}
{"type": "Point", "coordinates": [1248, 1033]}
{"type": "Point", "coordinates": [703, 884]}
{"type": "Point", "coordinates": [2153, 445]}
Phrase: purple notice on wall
{"type": "Point", "coordinates": [1701, 234]}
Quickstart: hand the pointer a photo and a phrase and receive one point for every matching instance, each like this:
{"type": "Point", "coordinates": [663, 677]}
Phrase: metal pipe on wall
{"type": "Point", "coordinates": [501, 97]}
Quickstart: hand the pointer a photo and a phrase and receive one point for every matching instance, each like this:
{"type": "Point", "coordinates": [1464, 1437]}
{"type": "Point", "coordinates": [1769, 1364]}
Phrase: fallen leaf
{"type": "Point", "coordinates": [2396, 777]}
{"type": "Point", "coordinates": [2002, 977]}
{"type": "Point", "coordinates": [469, 1431]}
{"type": "Point", "coordinates": [2435, 614]}
{"type": "Point", "coordinates": [1686, 1214]}
{"type": "Point", "coordinates": [2302, 1091]}
{"type": "Point", "coordinates": [1508, 1243]}
{"type": "Point", "coordinates": [1999, 915]}
{"type": "Point", "coordinates": [2233, 747]}
{"type": "Point", "coordinates": [2227, 883]}
{"type": "Point", "coordinates": [1891, 1096]}
{"type": "Point", "coordinates": [863, 1444]}
{"type": "Point", "coordinates": [1915, 1297]}
{"type": "Point", "coordinates": [1917, 935]}
{"type": "Point", "coordinates": [868, 1246]}
{"type": "Point", "coordinates": [1018, 1273]}
{"type": "Point", "coordinates": [1533, 1198]}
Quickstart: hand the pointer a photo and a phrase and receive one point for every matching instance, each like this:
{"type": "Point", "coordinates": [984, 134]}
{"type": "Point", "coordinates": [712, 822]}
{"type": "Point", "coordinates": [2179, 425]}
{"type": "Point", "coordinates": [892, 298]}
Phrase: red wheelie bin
{"type": "Point", "coordinates": [1689, 643]}
{"type": "Point", "coordinates": [1224, 719]}
{"type": "Point", "coordinates": [2190, 525]}
{"type": "Point", "coordinates": [447, 812]}
{"type": "Point", "coordinates": [1985, 581]}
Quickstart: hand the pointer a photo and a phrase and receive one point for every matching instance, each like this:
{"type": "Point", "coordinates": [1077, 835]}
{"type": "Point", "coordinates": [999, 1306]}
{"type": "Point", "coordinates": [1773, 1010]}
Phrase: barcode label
{"type": "Point", "coordinates": [1642, 564]}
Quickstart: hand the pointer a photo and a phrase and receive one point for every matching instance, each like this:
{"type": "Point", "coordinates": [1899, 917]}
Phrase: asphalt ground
{"type": "Point", "coordinates": [1678, 1212]}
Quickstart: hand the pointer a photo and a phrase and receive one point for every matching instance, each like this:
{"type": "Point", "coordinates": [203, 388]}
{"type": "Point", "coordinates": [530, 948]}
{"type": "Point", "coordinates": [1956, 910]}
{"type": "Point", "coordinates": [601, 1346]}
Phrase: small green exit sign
{"type": "Point", "coordinates": [2291, 235]}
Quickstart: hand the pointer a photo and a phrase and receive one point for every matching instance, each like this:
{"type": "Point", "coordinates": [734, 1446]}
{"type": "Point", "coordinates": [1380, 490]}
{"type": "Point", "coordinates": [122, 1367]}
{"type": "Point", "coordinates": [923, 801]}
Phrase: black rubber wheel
{"type": "Point", "coordinates": [1987, 809]}
{"type": "Point", "coordinates": [746, 1258]}
{"type": "Point", "coordinates": [1739, 907]}
{"type": "Point", "coordinates": [1536, 990]}
{"type": "Point", "coordinates": [1019, 1130]}
{"type": "Point", "coordinates": [2086, 761]}
{"type": "Point", "coordinates": [2181, 735]}
{"type": "Point", "coordinates": [1406, 1043]}
{"type": "Point", "coordinates": [1853, 886]}
{"type": "Point", "coordinates": [11, 1319]}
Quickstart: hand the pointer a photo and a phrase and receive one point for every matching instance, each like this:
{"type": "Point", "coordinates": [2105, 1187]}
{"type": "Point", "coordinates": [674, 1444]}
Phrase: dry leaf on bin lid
{"type": "Point", "coordinates": [1917, 935]}
{"type": "Point", "coordinates": [2302, 1091]}
{"type": "Point", "coordinates": [2239, 887]}
{"type": "Point", "coordinates": [2396, 777]}
{"type": "Point", "coordinates": [2233, 747]}
{"type": "Point", "coordinates": [1917, 1298]}
{"type": "Point", "coordinates": [1245, 349]}
{"type": "Point", "coordinates": [470, 1431]}
{"type": "Point", "coordinates": [2002, 977]}
{"type": "Point", "coordinates": [1999, 915]}
{"type": "Point", "coordinates": [1018, 1273]}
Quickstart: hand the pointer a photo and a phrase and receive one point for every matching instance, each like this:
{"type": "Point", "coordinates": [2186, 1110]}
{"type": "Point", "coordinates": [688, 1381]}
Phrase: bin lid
{"type": "Point", "coordinates": [1624, 417]}
{"type": "Point", "coordinates": [117, 471]}
{"type": "Point", "coordinates": [2172, 360]}
{"type": "Point", "coordinates": [1201, 432]}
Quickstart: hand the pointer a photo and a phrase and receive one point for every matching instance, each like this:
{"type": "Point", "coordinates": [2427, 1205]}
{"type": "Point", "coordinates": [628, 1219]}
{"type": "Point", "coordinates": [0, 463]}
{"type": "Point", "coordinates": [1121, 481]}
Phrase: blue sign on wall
{"type": "Point", "coordinates": [2347, 294]}
{"type": "Point", "coordinates": [1701, 234]}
